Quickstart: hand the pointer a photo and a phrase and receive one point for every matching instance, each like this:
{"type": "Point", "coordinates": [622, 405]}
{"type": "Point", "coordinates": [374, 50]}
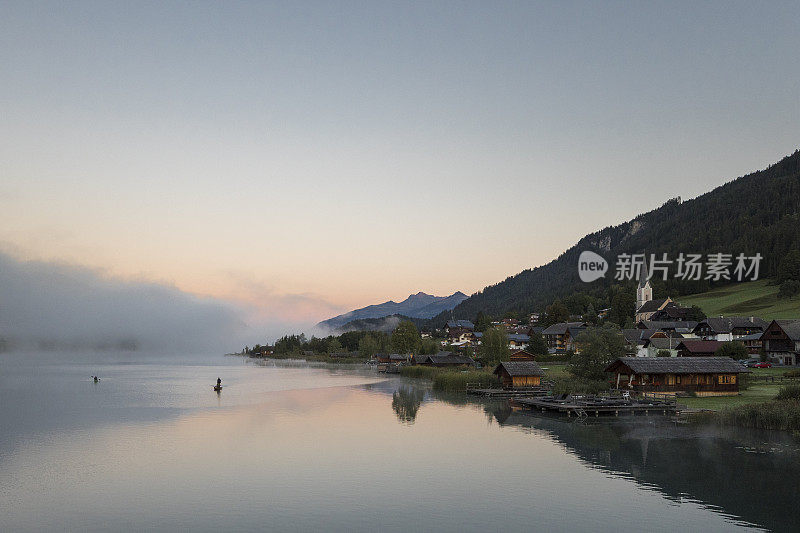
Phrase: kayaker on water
{"type": "Point", "coordinates": [219, 382]}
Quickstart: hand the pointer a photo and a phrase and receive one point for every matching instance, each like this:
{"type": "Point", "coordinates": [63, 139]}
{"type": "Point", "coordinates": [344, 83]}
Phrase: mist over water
{"type": "Point", "coordinates": [53, 306]}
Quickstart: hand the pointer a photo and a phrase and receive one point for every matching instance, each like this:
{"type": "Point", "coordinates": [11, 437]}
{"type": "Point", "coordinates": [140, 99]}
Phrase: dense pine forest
{"type": "Point", "coordinates": [756, 213]}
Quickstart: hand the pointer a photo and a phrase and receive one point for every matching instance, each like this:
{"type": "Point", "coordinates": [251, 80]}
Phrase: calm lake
{"type": "Point", "coordinates": [297, 447]}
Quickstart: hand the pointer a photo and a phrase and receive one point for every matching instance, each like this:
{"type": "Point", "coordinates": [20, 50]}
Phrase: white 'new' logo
{"type": "Point", "coordinates": [591, 266]}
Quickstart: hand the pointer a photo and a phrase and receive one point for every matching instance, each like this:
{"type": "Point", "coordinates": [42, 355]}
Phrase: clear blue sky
{"type": "Point", "coordinates": [317, 156]}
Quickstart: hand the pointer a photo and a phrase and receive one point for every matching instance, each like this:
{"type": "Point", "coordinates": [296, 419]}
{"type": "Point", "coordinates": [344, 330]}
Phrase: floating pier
{"type": "Point", "coordinates": [586, 406]}
{"type": "Point", "coordinates": [509, 393]}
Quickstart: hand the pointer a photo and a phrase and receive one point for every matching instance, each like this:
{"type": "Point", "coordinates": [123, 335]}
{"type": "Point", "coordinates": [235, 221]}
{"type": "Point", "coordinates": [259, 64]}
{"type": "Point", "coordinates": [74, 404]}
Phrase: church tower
{"type": "Point", "coordinates": [644, 293]}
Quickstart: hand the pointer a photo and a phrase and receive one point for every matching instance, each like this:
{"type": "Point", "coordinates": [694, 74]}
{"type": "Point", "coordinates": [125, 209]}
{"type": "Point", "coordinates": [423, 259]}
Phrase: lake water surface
{"type": "Point", "coordinates": [291, 447]}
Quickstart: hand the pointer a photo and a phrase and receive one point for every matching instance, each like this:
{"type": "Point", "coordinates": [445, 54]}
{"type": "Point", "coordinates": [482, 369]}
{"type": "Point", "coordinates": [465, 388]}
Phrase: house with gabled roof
{"type": "Point", "coordinates": [561, 337]}
{"type": "Point", "coordinates": [445, 359]}
{"type": "Point", "coordinates": [650, 307]}
{"type": "Point", "coordinates": [654, 345]}
{"type": "Point", "coordinates": [671, 312]}
{"type": "Point", "coordinates": [698, 348]}
{"type": "Point", "coordinates": [519, 374]}
{"type": "Point", "coordinates": [518, 340]}
{"type": "Point", "coordinates": [522, 355]}
{"type": "Point", "coordinates": [704, 376]}
{"type": "Point", "coordinates": [729, 328]}
{"type": "Point", "coordinates": [781, 341]}
{"type": "Point", "coordinates": [459, 330]}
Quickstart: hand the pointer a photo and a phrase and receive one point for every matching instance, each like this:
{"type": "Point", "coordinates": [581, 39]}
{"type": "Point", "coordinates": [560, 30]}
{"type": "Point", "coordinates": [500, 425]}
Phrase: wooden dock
{"type": "Point", "coordinates": [527, 392]}
{"type": "Point", "coordinates": [389, 368]}
{"type": "Point", "coordinates": [586, 406]}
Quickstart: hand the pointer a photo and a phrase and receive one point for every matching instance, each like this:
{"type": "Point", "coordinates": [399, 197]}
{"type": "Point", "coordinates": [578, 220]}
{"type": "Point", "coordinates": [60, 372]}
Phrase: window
{"type": "Point", "coordinates": [727, 379]}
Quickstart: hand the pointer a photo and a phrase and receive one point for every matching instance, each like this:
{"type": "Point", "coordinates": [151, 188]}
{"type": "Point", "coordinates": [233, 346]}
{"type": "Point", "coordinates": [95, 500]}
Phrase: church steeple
{"type": "Point", "coordinates": [644, 293]}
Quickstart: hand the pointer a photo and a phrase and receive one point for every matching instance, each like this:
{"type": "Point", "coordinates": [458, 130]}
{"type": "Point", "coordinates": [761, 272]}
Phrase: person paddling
{"type": "Point", "coordinates": [96, 379]}
{"type": "Point", "coordinates": [219, 383]}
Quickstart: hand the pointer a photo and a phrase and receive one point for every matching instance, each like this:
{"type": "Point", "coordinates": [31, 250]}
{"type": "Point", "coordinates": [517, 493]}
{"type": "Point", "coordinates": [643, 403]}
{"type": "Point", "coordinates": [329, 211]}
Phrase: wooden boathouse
{"type": "Point", "coordinates": [519, 374]}
{"type": "Point", "coordinates": [704, 376]}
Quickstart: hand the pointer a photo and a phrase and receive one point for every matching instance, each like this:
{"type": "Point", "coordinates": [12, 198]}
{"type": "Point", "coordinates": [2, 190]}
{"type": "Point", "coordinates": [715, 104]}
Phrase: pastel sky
{"type": "Point", "coordinates": [312, 157]}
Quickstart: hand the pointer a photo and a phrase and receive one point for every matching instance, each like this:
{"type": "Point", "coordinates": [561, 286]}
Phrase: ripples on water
{"type": "Point", "coordinates": [297, 447]}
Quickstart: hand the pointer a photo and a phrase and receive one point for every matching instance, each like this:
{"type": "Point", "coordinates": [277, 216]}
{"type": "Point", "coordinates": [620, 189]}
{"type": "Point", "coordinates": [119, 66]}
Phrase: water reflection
{"type": "Point", "coordinates": [405, 402]}
{"type": "Point", "coordinates": [749, 476]}
{"type": "Point", "coordinates": [304, 448]}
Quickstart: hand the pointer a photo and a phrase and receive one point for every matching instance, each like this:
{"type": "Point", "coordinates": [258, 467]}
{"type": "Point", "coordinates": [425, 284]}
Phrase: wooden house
{"type": "Point", "coordinates": [729, 328]}
{"type": "Point", "coordinates": [456, 328]}
{"type": "Point", "coordinates": [445, 359]}
{"type": "Point", "coordinates": [560, 337]}
{"type": "Point", "coordinates": [522, 355]}
{"type": "Point", "coordinates": [653, 345]}
{"type": "Point", "coordinates": [392, 358]}
{"type": "Point", "coordinates": [781, 341]}
{"type": "Point", "coordinates": [697, 348]}
{"type": "Point", "coordinates": [517, 340]}
{"type": "Point", "coordinates": [752, 343]}
{"type": "Point", "coordinates": [519, 374]}
{"type": "Point", "coordinates": [704, 376]}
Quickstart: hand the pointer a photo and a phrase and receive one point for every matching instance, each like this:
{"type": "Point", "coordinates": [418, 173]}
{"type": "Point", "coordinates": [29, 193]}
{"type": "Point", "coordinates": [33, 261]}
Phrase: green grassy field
{"type": "Point", "coordinates": [753, 298]}
{"type": "Point", "coordinates": [758, 391]}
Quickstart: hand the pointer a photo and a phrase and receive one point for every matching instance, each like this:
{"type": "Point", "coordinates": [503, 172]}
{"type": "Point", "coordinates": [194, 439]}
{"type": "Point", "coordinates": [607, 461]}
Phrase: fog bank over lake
{"type": "Point", "coordinates": [56, 306]}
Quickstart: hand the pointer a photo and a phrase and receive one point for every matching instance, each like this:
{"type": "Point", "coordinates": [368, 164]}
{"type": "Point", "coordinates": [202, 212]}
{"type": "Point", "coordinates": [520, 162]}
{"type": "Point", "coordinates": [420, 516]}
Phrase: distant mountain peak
{"type": "Point", "coordinates": [419, 305]}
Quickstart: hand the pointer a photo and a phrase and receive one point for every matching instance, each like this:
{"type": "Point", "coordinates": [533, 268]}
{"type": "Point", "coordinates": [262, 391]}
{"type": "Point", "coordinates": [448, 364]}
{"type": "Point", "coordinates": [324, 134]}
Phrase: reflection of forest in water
{"type": "Point", "coordinates": [749, 475]}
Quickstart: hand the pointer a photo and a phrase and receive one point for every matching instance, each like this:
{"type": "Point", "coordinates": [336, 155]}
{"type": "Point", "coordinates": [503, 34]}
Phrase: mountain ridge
{"type": "Point", "coordinates": [419, 305]}
{"type": "Point", "coordinates": [755, 213]}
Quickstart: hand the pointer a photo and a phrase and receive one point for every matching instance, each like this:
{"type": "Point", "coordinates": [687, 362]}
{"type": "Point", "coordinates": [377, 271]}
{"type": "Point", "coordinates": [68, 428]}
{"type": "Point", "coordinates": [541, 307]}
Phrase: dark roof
{"type": "Point", "coordinates": [460, 324]}
{"type": "Point", "coordinates": [397, 357]}
{"type": "Point", "coordinates": [700, 346]}
{"type": "Point", "coordinates": [449, 358]}
{"type": "Point", "coordinates": [751, 337]}
{"type": "Point", "coordinates": [791, 328]}
{"type": "Point", "coordinates": [631, 336]}
{"type": "Point", "coordinates": [518, 337]}
{"type": "Point", "coordinates": [663, 344]}
{"type": "Point", "coordinates": [639, 336]}
{"type": "Point", "coordinates": [673, 311]}
{"type": "Point", "coordinates": [667, 324]}
{"type": "Point", "coordinates": [678, 365]}
{"type": "Point", "coordinates": [651, 306]}
{"type": "Point", "coordinates": [520, 368]}
{"type": "Point", "coordinates": [562, 327]}
{"type": "Point", "coordinates": [728, 324]}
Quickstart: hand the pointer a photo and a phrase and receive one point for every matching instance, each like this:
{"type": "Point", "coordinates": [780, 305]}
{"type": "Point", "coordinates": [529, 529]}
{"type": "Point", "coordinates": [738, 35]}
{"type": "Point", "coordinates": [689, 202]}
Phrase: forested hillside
{"type": "Point", "coordinates": [756, 213]}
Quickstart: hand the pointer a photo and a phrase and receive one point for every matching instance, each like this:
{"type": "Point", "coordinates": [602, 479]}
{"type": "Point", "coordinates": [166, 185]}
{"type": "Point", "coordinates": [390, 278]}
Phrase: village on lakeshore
{"type": "Point", "coordinates": [577, 366]}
